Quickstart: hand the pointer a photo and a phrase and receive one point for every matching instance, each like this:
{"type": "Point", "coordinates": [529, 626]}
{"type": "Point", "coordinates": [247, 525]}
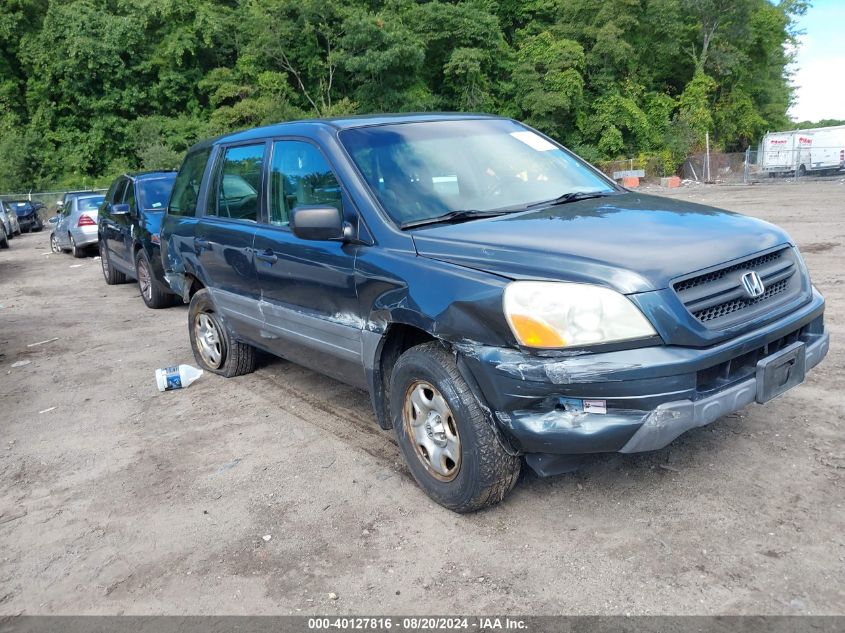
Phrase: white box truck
{"type": "Point", "coordinates": [820, 150]}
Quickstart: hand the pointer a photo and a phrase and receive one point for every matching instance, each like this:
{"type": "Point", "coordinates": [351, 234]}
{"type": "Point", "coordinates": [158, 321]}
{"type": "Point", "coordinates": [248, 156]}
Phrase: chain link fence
{"type": "Point", "coordinates": [758, 166]}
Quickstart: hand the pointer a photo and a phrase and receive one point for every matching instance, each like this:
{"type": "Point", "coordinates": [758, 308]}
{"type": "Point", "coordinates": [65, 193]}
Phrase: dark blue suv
{"type": "Point", "coordinates": [502, 301]}
{"type": "Point", "coordinates": [128, 233]}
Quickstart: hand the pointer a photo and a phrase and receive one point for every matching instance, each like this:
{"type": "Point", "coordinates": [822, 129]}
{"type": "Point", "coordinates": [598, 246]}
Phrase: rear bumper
{"type": "Point", "coordinates": [85, 235]}
{"type": "Point", "coordinates": [651, 395]}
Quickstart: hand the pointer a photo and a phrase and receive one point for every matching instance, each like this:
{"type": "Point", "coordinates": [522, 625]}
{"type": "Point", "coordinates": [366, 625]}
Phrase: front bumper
{"type": "Point", "coordinates": [651, 395]}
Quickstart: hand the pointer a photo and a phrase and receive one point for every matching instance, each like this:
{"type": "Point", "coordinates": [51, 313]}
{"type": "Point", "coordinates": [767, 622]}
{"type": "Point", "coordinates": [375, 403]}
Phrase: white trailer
{"type": "Point", "coordinates": [803, 151]}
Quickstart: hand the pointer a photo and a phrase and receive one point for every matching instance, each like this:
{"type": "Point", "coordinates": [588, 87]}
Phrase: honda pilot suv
{"type": "Point", "coordinates": [501, 300]}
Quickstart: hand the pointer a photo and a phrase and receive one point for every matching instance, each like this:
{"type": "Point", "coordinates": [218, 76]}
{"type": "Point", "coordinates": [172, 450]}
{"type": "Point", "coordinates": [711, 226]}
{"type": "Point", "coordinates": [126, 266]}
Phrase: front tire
{"type": "Point", "coordinates": [154, 297]}
{"type": "Point", "coordinates": [54, 244]}
{"type": "Point", "coordinates": [213, 346]}
{"type": "Point", "coordinates": [110, 273]}
{"type": "Point", "coordinates": [448, 442]}
{"type": "Point", "coordinates": [4, 239]}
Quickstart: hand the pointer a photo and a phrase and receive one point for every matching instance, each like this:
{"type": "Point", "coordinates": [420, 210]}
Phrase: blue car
{"type": "Point", "coordinates": [502, 301]}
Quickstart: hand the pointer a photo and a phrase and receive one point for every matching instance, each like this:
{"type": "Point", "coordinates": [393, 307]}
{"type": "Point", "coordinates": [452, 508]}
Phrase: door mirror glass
{"type": "Point", "coordinates": [119, 209]}
{"type": "Point", "coordinates": [317, 223]}
{"type": "Point", "coordinates": [54, 219]}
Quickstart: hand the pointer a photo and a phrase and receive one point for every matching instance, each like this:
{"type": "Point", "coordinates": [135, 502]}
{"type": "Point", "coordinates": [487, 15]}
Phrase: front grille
{"type": "Point", "coordinates": [718, 299]}
{"type": "Point", "coordinates": [708, 278]}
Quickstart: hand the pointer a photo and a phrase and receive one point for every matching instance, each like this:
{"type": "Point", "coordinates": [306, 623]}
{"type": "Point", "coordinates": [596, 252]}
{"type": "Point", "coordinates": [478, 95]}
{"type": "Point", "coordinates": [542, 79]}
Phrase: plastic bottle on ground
{"type": "Point", "coordinates": [170, 378]}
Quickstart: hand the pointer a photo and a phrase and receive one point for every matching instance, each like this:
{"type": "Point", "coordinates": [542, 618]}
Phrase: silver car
{"type": "Point", "coordinates": [76, 227]}
{"type": "Point", "coordinates": [10, 220]}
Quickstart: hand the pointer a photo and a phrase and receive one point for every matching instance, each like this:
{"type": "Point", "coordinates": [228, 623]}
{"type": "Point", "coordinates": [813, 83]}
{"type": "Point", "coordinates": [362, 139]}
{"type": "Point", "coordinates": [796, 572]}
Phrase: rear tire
{"type": "Point", "coordinates": [4, 240]}
{"type": "Point", "coordinates": [111, 275]}
{"type": "Point", "coordinates": [432, 406]}
{"type": "Point", "coordinates": [76, 250]}
{"type": "Point", "coordinates": [154, 297]}
{"type": "Point", "coordinates": [213, 346]}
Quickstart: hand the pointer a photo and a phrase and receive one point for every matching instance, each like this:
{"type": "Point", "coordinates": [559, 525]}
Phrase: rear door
{"type": "Point", "coordinates": [223, 240]}
{"type": "Point", "coordinates": [63, 224]}
{"type": "Point", "coordinates": [309, 300]}
{"type": "Point", "coordinates": [178, 227]}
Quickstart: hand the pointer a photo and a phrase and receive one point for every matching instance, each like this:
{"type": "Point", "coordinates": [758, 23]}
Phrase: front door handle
{"type": "Point", "coordinates": [200, 244]}
{"type": "Point", "coordinates": [267, 256]}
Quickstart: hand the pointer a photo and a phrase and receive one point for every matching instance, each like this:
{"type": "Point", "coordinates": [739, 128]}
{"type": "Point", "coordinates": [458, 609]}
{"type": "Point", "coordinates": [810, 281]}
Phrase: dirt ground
{"type": "Point", "coordinates": [267, 493]}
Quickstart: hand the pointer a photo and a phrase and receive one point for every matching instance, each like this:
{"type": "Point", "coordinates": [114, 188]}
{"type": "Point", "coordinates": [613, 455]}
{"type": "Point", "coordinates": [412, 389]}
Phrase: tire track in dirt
{"type": "Point", "coordinates": [356, 430]}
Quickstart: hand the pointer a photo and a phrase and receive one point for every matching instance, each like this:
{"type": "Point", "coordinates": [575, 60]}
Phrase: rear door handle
{"type": "Point", "coordinates": [267, 256]}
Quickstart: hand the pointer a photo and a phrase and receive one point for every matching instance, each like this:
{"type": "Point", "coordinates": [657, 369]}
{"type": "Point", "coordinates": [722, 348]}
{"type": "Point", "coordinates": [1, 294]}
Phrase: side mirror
{"type": "Point", "coordinates": [119, 209]}
{"type": "Point", "coordinates": [59, 204]}
{"type": "Point", "coordinates": [319, 223]}
{"type": "Point", "coordinates": [54, 219]}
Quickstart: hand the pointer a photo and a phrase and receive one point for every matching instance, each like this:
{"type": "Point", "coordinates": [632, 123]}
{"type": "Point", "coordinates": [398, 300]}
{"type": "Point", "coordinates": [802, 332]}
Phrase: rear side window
{"type": "Point", "coordinates": [299, 175]}
{"type": "Point", "coordinates": [187, 187]}
{"type": "Point", "coordinates": [238, 183]}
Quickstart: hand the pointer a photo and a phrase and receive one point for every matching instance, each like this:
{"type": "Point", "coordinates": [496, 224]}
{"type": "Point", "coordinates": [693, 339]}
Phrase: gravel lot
{"type": "Point", "coordinates": [269, 492]}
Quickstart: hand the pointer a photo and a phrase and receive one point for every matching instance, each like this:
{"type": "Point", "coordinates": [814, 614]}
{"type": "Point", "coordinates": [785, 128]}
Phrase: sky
{"type": "Point", "coordinates": [819, 69]}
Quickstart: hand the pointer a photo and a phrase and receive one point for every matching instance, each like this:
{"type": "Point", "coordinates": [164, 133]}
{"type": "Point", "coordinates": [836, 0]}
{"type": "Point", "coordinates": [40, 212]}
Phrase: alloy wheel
{"type": "Point", "coordinates": [145, 282]}
{"type": "Point", "coordinates": [104, 260]}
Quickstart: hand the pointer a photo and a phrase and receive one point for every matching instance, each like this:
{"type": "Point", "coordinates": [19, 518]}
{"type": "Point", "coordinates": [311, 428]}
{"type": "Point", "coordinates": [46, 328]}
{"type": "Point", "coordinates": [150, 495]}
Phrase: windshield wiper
{"type": "Point", "coordinates": [572, 196]}
{"type": "Point", "coordinates": [455, 216]}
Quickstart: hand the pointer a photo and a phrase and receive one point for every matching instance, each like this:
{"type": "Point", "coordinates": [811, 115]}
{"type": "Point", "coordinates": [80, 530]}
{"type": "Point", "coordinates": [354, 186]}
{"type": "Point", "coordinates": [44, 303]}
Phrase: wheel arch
{"type": "Point", "coordinates": [381, 351]}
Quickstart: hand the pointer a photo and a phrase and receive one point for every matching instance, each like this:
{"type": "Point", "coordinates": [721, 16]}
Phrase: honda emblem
{"type": "Point", "coordinates": [753, 284]}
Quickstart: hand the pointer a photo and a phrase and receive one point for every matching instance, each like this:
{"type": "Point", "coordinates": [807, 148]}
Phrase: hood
{"type": "Point", "coordinates": [630, 242]}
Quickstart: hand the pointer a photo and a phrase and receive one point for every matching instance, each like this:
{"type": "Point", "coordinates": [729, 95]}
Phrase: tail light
{"type": "Point", "coordinates": [85, 220]}
{"type": "Point", "coordinates": [842, 154]}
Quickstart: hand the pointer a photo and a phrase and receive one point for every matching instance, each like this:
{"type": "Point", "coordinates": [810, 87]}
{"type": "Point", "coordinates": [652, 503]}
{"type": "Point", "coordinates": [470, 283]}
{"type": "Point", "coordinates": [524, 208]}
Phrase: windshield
{"type": "Point", "coordinates": [90, 204]}
{"type": "Point", "coordinates": [424, 170]}
{"type": "Point", "coordinates": [21, 208]}
{"type": "Point", "coordinates": [155, 192]}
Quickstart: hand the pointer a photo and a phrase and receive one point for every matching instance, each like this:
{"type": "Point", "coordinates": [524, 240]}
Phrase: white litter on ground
{"type": "Point", "coordinates": [49, 340]}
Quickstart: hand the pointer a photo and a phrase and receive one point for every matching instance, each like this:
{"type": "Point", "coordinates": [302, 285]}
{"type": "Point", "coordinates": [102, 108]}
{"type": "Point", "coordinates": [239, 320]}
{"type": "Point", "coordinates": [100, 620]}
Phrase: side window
{"type": "Point", "coordinates": [129, 198]}
{"type": "Point", "coordinates": [300, 176]}
{"type": "Point", "coordinates": [238, 183]}
{"type": "Point", "coordinates": [120, 191]}
{"type": "Point", "coordinates": [111, 194]}
{"type": "Point", "coordinates": [183, 199]}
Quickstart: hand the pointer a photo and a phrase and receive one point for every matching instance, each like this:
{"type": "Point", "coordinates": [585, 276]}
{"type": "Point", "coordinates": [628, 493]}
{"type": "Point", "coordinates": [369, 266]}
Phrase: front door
{"type": "Point", "coordinates": [308, 296]}
{"type": "Point", "coordinates": [114, 228]}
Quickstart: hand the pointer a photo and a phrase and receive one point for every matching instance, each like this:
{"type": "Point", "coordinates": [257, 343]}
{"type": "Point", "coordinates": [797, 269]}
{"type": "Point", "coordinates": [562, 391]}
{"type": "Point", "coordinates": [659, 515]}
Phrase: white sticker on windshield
{"type": "Point", "coordinates": [156, 205]}
{"type": "Point", "coordinates": [533, 140]}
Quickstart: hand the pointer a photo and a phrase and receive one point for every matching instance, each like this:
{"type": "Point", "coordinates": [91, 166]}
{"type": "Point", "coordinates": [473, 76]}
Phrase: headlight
{"type": "Point", "coordinates": [557, 314]}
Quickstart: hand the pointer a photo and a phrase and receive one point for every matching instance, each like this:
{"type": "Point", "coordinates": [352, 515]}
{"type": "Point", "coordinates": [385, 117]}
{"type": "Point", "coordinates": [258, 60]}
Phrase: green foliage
{"type": "Point", "coordinates": [89, 88]}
